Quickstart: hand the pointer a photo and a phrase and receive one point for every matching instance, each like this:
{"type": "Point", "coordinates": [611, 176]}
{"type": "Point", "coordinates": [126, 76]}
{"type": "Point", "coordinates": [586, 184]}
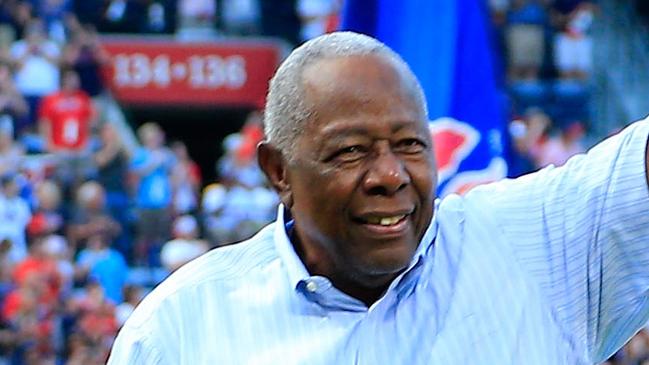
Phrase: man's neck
{"type": "Point", "coordinates": [366, 294]}
{"type": "Point", "coordinates": [318, 262]}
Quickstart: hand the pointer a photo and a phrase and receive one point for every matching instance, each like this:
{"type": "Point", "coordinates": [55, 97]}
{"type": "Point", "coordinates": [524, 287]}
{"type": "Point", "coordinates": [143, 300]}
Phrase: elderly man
{"type": "Point", "coordinates": [552, 268]}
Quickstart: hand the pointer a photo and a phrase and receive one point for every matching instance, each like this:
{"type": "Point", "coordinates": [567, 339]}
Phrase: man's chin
{"type": "Point", "coordinates": [380, 272]}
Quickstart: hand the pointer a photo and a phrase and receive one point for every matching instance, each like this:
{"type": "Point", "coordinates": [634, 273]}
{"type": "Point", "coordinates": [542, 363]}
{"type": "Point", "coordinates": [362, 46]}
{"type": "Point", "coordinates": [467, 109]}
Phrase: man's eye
{"type": "Point", "coordinates": [351, 149]}
{"type": "Point", "coordinates": [350, 153]}
{"type": "Point", "coordinates": [411, 145]}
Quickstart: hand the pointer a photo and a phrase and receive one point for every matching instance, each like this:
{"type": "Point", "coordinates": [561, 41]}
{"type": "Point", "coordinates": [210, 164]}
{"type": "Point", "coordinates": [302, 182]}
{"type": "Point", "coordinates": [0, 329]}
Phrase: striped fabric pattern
{"type": "Point", "coordinates": [548, 269]}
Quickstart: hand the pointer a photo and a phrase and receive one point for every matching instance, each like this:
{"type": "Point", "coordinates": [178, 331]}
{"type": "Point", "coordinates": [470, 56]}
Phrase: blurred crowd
{"type": "Point", "coordinates": [89, 224]}
{"type": "Point", "coordinates": [84, 232]}
{"type": "Point", "coordinates": [292, 20]}
{"type": "Point", "coordinates": [547, 55]}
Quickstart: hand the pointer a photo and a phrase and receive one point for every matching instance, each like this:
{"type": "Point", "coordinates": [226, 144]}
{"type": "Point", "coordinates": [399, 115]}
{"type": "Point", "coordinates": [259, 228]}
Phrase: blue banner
{"type": "Point", "coordinates": [448, 46]}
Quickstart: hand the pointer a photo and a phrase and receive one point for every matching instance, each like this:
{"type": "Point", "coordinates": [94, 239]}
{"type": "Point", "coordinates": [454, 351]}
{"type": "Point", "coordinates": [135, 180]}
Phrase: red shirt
{"type": "Point", "coordinates": [46, 272]}
{"type": "Point", "coordinates": [68, 116]}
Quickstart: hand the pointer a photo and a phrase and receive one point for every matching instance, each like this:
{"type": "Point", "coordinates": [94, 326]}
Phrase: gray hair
{"type": "Point", "coordinates": [286, 112]}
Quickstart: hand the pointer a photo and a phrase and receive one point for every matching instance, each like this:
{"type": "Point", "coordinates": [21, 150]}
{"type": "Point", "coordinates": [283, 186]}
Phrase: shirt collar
{"type": "Point", "coordinates": [297, 272]}
{"type": "Point", "coordinates": [294, 266]}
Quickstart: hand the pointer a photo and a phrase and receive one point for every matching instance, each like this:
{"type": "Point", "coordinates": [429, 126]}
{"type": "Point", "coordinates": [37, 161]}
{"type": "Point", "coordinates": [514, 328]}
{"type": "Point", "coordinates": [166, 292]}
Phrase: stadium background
{"type": "Point", "coordinates": [128, 130]}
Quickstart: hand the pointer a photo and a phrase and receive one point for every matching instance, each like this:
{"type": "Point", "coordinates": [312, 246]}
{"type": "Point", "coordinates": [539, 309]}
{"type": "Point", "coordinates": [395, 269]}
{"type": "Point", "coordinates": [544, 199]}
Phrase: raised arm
{"type": "Point", "coordinates": [582, 232]}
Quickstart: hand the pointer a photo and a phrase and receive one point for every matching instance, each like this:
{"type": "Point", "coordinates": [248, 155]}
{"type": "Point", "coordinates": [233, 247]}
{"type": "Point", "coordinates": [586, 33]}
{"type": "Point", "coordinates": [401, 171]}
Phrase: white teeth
{"type": "Point", "coordinates": [386, 221]}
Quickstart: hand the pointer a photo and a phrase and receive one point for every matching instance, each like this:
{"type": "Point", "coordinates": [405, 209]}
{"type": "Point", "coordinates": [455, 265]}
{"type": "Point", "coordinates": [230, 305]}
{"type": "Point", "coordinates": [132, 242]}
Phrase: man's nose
{"type": "Point", "coordinates": [386, 174]}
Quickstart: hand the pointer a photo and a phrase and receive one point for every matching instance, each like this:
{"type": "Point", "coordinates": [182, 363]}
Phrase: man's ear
{"type": "Point", "coordinates": [274, 166]}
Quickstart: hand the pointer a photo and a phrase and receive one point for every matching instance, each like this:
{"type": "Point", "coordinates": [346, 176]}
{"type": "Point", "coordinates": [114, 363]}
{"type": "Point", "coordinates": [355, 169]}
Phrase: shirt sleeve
{"type": "Point", "coordinates": [582, 232]}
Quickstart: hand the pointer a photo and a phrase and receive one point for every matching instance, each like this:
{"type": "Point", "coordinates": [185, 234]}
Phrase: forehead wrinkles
{"type": "Point", "coordinates": [342, 87]}
{"type": "Point", "coordinates": [338, 88]}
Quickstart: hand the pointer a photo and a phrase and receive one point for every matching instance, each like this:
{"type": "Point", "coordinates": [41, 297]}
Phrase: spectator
{"type": "Point", "coordinates": [7, 31]}
{"type": "Point", "coordinates": [11, 152]}
{"type": "Point", "coordinates": [520, 162]}
{"type": "Point", "coordinates": [186, 180]}
{"type": "Point", "coordinates": [48, 216]}
{"type": "Point", "coordinates": [98, 262]}
{"type": "Point", "coordinates": [197, 13]}
{"type": "Point", "coordinates": [156, 19]}
{"type": "Point", "coordinates": [66, 115]}
{"type": "Point", "coordinates": [236, 212]}
{"type": "Point", "coordinates": [528, 134]}
{"type": "Point", "coordinates": [39, 270]}
{"type": "Point", "coordinates": [498, 11]}
{"type": "Point", "coordinates": [152, 166]}
{"type": "Point", "coordinates": [525, 38]}
{"type": "Point", "coordinates": [241, 17]}
{"type": "Point", "coordinates": [111, 160]}
{"type": "Point", "coordinates": [185, 246]}
{"type": "Point", "coordinates": [80, 351]}
{"type": "Point", "coordinates": [12, 103]}
{"type": "Point", "coordinates": [96, 325]}
{"type": "Point", "coordinates": [85, 56]}
{"type": "Point", "coordinates": [636, 350]}
{"type": "Point", "coordinates": [14, 216]}
{"type": "Point", "coordinates": [573, 45]}
{"type": "Point", "coordinates": [65, 120]}
{"type": "Point", "coordinates": [238, 164]}
{"type": "Point", "coordinates": [37, 60]}
{"type": "Point", "coordinates": [20, 15]}
{"type": "Point", "coordinates": [315, 16]}
{"type": "Point", "coordinates": [123, 16]}
{"type": "Point", "coordinates": [6, 268]}
{"type": "Point", "coordinates": [29, 317]}
{"type": "Point", "coordinates": [212, 202]}
{"type": "Point", "coordinates": [91, 217]}
{"type": "Point", "coordinates": [557, 149]}
{"type": "Point", "coordinates": [53, 13]}
{"type": "Point", "coordinates": [133, 295]}
{"type": "Point", "coordinates": [561, 11]}
{"type": "Point", "coordinates": [56, 249]}
{"type": "Point", "coordinates": [252, 133]}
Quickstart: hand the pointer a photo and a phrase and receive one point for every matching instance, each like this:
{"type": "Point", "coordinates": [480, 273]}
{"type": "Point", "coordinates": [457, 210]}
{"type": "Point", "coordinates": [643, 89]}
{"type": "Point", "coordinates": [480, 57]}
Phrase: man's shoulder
{"type": "Point", "coordinates": [216, 270]}
{"type": "Point", "coordinates": [51, 101]}
{"type": "Point", "coordinates": [457, 212]}
{"type": "Point", "coordinates": [451, 207]}
{"type": "Point", "coordinates": [229, 262]}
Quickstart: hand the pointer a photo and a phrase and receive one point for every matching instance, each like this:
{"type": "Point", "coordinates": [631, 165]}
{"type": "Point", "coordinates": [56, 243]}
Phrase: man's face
{"type": "Point", "coordinates": [363, 177]}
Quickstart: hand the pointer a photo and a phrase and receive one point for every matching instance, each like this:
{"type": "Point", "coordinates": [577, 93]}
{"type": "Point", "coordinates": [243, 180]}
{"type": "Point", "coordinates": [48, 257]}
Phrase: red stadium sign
{"type": "Point", "coordinates": [155, 72]}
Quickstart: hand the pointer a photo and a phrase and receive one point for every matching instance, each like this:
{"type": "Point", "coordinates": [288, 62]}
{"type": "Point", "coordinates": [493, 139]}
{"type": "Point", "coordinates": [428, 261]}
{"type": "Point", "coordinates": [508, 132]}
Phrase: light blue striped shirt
{"type": "Point", "coordinates": [548, 269]}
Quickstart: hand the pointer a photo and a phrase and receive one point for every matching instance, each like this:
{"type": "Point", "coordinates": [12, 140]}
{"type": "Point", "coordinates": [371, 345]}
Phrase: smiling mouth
{"type": "Point", "coordinates": [388, 221]}
{"type": "Point", "coordinates": [385, 221]}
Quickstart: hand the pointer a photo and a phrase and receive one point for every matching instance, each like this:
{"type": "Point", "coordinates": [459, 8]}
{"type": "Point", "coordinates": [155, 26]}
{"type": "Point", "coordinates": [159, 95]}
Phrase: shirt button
{"type": "Point", "coordinates": [311, 287]}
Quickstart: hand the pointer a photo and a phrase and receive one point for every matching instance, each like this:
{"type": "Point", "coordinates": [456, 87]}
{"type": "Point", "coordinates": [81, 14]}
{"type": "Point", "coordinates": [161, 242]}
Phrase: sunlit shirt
{"type": "Point", "coordinates": [552, 268]}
